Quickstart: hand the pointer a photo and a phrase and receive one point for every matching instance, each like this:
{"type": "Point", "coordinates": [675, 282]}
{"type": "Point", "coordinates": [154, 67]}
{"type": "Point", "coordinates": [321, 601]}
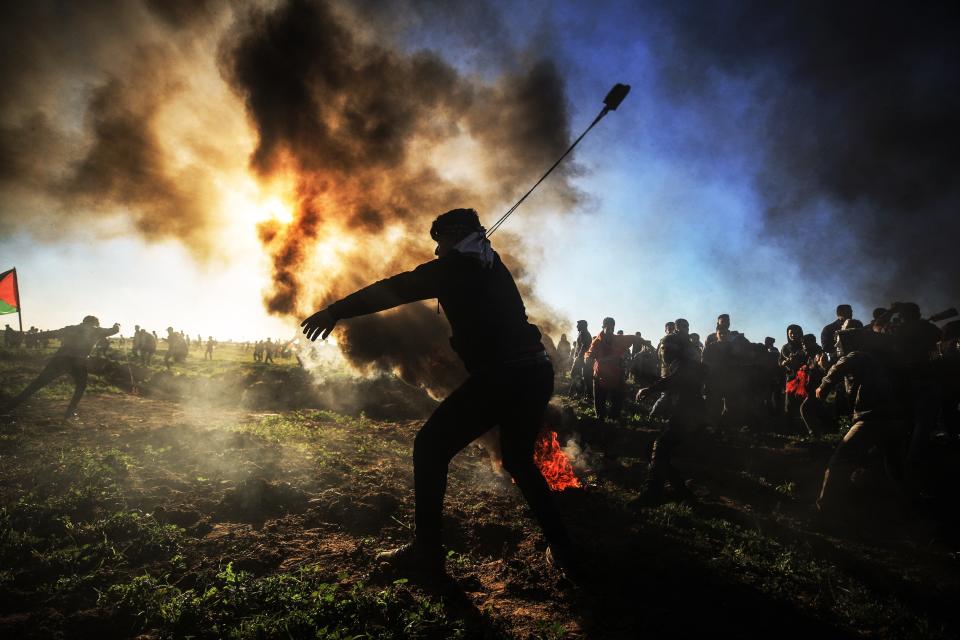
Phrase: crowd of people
{"type": "Point", "coordinates": [78, 342]}
{"type": "Point", "coordinates": [895, 379]}
{"type": "Point", "coordinates": [144, 345]}
{"type": "Point", "coordinates": [33, 338]}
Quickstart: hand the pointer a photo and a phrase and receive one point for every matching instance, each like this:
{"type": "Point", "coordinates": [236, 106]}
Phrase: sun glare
{"type": "Point", "coordinates": [243, 199]}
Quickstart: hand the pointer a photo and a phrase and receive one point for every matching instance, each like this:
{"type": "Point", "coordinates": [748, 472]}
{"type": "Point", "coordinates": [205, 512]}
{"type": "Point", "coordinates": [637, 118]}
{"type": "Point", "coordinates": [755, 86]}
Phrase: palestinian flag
{"type": "Point", "coordinates": [9, 294]}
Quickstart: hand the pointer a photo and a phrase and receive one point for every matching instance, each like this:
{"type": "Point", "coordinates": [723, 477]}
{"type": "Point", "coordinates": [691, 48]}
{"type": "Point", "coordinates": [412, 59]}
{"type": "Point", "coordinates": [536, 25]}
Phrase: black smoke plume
{"type": "Point", "coordinates": [353, 119]}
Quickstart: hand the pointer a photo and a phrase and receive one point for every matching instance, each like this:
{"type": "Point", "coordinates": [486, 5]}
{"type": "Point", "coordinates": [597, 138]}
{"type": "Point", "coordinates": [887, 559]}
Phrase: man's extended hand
{"type": "Point", "coordinates": [319, 325]}
{"type": "Point", "coordinates": [819, 393]}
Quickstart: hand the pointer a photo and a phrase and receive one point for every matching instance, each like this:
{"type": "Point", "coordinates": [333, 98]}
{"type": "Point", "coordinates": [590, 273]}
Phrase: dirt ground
{"type": "Point", "coordinates": [151, 517]}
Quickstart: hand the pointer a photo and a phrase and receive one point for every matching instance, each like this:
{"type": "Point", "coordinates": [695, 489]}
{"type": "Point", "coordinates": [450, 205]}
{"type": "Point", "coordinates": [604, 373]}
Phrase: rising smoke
{"type": "Point", "coordinates": [82, 143]}
{"type": "Point", "coordinates": [360, 126]}
{"type": "Point", "coordinates": [858, 137]}
{"type": "Point", "coordinates": [131, 116]}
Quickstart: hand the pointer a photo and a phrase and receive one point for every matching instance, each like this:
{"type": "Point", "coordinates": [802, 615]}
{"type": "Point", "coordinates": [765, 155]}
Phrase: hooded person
{"type": "Point", "coordinates": [510, 382]}
{"type": "Point", "coordinates": [76, 343]}
{"type": "Point", "coordinates": [793, 360]}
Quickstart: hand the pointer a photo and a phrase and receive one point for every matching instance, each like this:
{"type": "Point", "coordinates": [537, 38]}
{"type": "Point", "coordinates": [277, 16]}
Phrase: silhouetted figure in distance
{"type": "Point", "coordinates": [76, 343]}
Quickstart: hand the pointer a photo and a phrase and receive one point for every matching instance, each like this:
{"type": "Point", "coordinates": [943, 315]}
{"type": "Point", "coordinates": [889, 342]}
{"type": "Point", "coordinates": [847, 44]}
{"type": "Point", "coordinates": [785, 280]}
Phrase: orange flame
{"type": "Point", "coordinates": [553, 463]}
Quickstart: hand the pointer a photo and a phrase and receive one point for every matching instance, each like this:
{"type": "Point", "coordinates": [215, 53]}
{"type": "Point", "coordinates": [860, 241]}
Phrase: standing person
{"type": "Point", "coordinates": [681, 404]}
{"type": "Point", "coordinates": [607, 351]}
{"type": "Point", "coordinates": [668, 329]}
{"type": "Point", "coordinates": [76, 343]}
{"type": "Point", "coordinates": [563, 352]}
{"type": "Point", "coordinates": [697, 344]}
{"type": "Point", "coordinates": [723, 357]}
{"type": "Point", "coordinates": [208, 354]}
{"type": "Point", "coordinates": [880, 319]}
{"type": "Point", "coordinates": [148, 346]}
{"type": "Point", "coordinates": [176, 347]}
{"type": "Point", "coordinates": [268, 351]}
{"type": "Point", "coordinates": [581, 378]}
{"type": "Point", "coordinates": [774, 376]}
{"type": "Point", "coordinates": [829, 332]}
{"type": "Point", "coordinates": [915, 342]}
{"type": "Point", "coordinates": [813, 410]}
{"type": "Point", "coordinates": [510, 382]}
{"type": "Point", "coordinates": [135, 343]}
{"type": "Point", "coordinates": [656, 411]}
{"type": "Point", "coordinates": [793, 357]}
{"type": "Point", "coordinates": [841, 404]}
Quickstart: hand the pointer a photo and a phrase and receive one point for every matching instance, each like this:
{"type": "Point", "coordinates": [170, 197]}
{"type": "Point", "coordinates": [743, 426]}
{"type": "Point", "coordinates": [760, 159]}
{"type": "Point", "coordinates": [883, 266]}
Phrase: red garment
{"type": "Point", "coordinates": [798, 386]}
{"type": "Point", "coordinates": [608, 353]}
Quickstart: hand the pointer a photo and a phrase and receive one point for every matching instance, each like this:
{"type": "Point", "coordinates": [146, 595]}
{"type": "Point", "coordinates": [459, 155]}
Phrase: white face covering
{"type": "Point", "coordinates": [477, 245]}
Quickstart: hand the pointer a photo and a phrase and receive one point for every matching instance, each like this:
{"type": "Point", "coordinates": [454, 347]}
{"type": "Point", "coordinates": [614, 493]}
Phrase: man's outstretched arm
{"type": "Point", "coordinates": [104, 332]}
{"type": "Point", "coordinates": [420, 284]}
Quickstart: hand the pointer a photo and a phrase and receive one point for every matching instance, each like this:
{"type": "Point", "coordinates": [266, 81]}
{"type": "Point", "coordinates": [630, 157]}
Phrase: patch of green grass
{"type": "Point", "coordinates": [549, 630]}
{"type": "Point", "coordinates": [786, 489]}
{"type": "Point", "coordinates": [72, 530]}
{"type": "Point", "coordinates": [792, 572]}
{"type": "Point", "coordinates": [297, 604]}
{"type": "Point", "coordinates": [325, 435]}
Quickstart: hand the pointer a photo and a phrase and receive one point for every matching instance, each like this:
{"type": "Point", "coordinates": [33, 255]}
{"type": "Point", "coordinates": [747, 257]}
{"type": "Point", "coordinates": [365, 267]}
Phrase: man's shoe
{"type": "Point", "coordinates": [415, 558]}
{"type": "Point", "coordinates": [567, 564]}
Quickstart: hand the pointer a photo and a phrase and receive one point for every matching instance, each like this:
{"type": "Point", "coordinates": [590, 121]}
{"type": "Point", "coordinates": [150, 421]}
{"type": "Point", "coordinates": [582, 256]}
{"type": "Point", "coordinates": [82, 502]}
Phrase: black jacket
{"type": "Point", "coordinates": [483, 305]}
{"type": "Point", "coordinates": [873, 385]}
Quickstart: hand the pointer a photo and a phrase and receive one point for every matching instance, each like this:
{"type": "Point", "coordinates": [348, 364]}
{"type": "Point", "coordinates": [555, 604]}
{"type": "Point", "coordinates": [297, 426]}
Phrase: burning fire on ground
{"type": "Point", "coordinates": [553, 463]}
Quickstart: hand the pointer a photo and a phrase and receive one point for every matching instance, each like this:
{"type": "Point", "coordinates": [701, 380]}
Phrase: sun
{"type": "Point", "coordinates": [244, 200]}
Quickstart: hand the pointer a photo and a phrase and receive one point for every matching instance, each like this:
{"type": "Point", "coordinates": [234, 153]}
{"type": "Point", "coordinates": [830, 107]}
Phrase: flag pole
{"type": "Point", "coordinates": [16, 292]}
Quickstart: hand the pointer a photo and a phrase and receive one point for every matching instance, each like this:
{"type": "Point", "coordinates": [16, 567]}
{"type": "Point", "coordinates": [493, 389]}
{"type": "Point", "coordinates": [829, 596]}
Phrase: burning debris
{"type": "Point", "coordinates": [553, 463]}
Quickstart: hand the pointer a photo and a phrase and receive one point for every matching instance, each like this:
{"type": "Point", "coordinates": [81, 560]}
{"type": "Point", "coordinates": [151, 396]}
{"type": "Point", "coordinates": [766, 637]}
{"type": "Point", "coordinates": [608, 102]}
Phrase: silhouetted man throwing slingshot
{"type": "Point", "coordinates": [76, 342]}
{"type": "Point", "coordinates": [510, 383]}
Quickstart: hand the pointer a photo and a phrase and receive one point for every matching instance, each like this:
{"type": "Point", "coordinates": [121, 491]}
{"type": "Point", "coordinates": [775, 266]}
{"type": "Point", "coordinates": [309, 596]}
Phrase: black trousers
{"type": "Point", "coordinates": [862, 436]}
{"type": "Point", "coordinates": [602, 392]}
{"type": "Point", "coordinates": [514, 399]}
{"type": "Point", "coordinates": [75, 367]}
{"type": "Point", "coordinates": [816, 416]}
{"type": "Point", "coordinates": [686, 414]}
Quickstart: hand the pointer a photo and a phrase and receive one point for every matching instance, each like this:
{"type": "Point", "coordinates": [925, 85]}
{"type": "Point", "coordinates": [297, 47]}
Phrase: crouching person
{"type": "Point", "coordinates": [511, 380]}
{"type": "Point", "coordinates": [76, 343]}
